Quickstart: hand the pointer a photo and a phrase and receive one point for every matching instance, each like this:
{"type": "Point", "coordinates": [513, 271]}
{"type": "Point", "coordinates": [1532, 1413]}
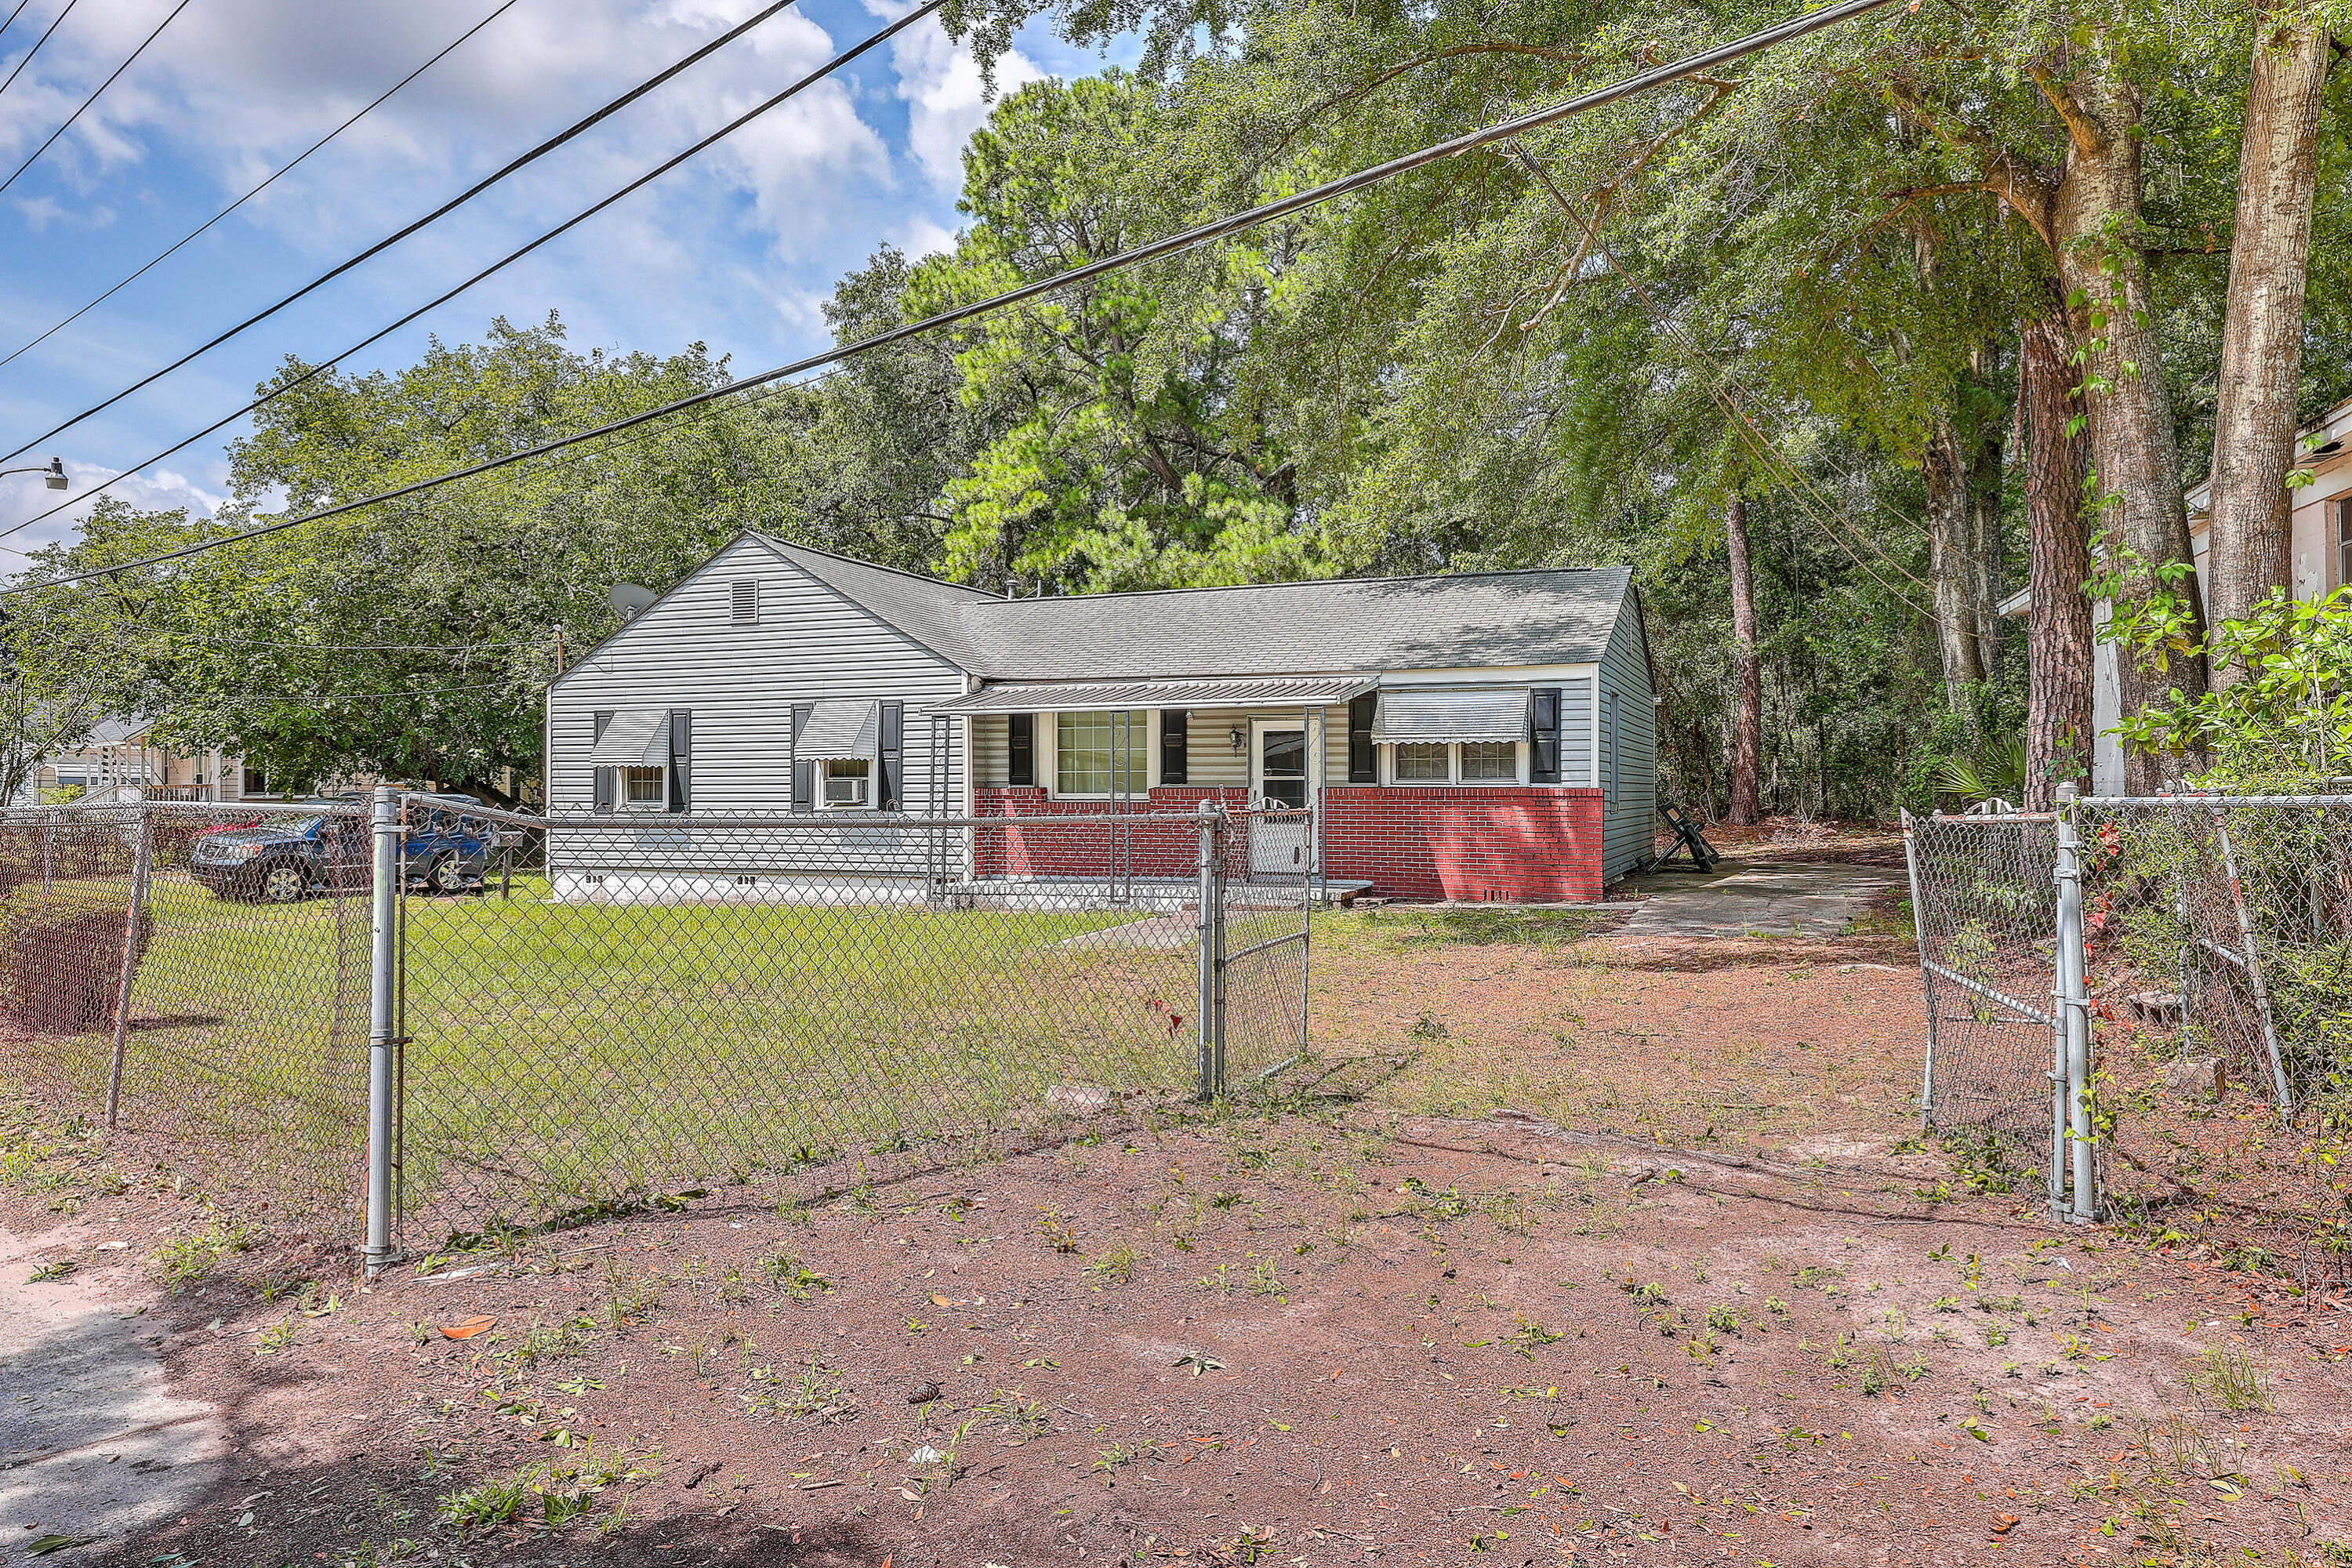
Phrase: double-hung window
{"type": "Point", "coordinates": [1088, 757]}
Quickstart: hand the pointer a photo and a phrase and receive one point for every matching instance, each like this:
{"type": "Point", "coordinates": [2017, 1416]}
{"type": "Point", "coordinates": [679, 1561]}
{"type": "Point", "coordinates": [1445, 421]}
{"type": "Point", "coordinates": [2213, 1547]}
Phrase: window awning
{"type": "Point", "coordinates": [1410, 716]}
{"type": "Point", "coordinates": [842, 728]}
{"type": "Point", "coordinates": [633, 739]}
{"type": "Point", "coordinates": [1297, 691]}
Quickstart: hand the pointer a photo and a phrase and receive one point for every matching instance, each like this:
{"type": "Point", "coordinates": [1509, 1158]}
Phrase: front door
{"type": "Point", "coordinates": [1278, 778]}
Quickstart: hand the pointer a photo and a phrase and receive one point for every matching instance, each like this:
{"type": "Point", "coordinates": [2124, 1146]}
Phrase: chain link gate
{"type": "Point", "coordinates": [1996, 901]}
{"type": "Point", "coordinates": [572, 1013]}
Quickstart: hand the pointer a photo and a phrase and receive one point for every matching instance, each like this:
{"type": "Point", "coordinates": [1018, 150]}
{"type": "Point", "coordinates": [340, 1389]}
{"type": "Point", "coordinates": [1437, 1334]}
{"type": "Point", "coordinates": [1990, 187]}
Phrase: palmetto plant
{"type": "Point", "coordinates": [1997, 772]}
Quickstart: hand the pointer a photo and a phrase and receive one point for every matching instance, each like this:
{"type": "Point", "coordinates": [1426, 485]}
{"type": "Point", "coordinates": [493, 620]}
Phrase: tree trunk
{"type": "Point", "coordinates": [2262, 330]}
{"type": "Point", "coordinates": [1952, 561]}
{"type": "Point", "coordinates": [1987, 580]}
{"type": "Point", "coordinates": [2097, 236]}
{"type": "Point", "coordinates": [2059, 652]}
{"type": "Point", "coordinates": [1747, 674]}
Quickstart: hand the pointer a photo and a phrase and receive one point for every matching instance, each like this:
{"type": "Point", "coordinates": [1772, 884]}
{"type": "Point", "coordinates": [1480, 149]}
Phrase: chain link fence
{"type": "Point", "coordinates": [583, 1014]}
{"type": "Point", "coordinates": [2217, 929]}
{"type": "Point", "coordinates": [194, 978]}
{"type": "Point", "coordinates": [2225, 924]}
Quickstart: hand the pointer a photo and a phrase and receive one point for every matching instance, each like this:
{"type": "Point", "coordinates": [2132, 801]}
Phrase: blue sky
{"type": "Point", "coordinates": [737, 249]}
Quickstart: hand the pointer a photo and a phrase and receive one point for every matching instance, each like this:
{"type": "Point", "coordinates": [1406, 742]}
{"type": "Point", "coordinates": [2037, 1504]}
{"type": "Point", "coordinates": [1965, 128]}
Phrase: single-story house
{"type": "Point", "coordinates": [2319, 522]}
{"type": "Point", "coordinates": [1486, 735]}
{"type": "Point", "coordinates": [118, 760]}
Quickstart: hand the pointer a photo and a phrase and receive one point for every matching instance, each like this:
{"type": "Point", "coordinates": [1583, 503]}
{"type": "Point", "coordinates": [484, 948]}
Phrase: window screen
{"type": "Point", "coordinates": [1086, 757]}
{"type": "Point", "coordinates": [1490, 761]}
{"type": "Point", "coordinates": [1423, 762]}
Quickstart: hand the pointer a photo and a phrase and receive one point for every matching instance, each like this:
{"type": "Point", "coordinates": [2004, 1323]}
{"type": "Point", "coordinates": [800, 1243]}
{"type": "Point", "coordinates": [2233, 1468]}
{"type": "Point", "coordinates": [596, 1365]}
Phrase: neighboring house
{"type": "Point", "coordinates": [118, 760]}
{"type": "Point", "coordinates": [1480, 736]}
{"type": "Point", "coordinates": [2320, 560]}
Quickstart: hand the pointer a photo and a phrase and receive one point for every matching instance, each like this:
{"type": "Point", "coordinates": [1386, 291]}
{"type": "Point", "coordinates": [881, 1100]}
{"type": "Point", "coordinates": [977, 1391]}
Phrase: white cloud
{"type": "Point", "coordinates": [23, 495]}
{"type": "Point", "coordinates": [919, 237]}
{"type": "Point", "coordinates": [946, 100]}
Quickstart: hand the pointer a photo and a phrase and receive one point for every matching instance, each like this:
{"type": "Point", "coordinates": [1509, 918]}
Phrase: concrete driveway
{"type": "Point", "coordinates": [1773, 898]}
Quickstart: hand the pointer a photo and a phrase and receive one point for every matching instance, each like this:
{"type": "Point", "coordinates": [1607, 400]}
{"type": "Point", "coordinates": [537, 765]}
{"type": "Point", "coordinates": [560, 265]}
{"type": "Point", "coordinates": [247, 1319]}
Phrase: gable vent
{"type": "Point", "coordinates": [747, 603]}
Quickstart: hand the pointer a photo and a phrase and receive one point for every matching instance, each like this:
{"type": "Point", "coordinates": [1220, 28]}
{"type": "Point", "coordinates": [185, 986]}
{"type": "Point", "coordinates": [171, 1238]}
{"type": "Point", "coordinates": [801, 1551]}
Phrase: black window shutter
{"type": "Point", "coordinates": [1020, 748]}
{"type": "Point", "coordinates": [681, 758]}
{"type": "Point", "coordinates": [803, 773]}
{"type": "Point", "coordinates": [1363, 762]}
{"type": "Point", "coordinates": [1543, 736]}
{"type": "Point", "coordinates": [894, 739]}
{"type": "Point", "coordinates": [1175, 745]}
{"type": "Point", "coordinates": [607, 779]}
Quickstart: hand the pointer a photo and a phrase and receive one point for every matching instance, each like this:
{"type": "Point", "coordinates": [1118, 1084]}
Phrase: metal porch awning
{"type": "Point", "coordinates": [1410, 716]}
{"type": "Point", "coordinates": [1299, 691]}
{"type": "Point", "coordinates": [629, 738]}
{"type": "Point", "coordinates": [841, 730]}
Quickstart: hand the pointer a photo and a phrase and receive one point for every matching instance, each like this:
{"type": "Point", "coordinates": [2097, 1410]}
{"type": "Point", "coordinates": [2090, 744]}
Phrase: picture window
{"type": "Point", "coordinates": [1085, 754]}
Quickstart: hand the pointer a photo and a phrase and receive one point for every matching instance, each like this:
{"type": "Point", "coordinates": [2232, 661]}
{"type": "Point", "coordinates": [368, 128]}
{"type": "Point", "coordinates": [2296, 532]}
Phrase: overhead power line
{"type": "Point", "coordinates": [1200, 234]}
{"type": "Point", "coordinates": [93, 98]}
{"type": "Point", "coordinates": [320, 368]}
{"type": "Point", "coordinates": [283, 170]}
{"type": "Point", "coordinates": [452, 204]}
{"type": "Point", "coordinates": [36, 49]}
{"type": "Point", "coordinates": [14, 14]}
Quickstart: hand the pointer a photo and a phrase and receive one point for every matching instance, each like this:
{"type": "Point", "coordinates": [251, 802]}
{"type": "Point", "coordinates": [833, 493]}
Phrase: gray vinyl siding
{"type": "Point", "coordinates": [1577, 747]}
{"type": "Point", "coordinates": [741, 683]}
{"type": "Point", "coordinates": [1627, 820]}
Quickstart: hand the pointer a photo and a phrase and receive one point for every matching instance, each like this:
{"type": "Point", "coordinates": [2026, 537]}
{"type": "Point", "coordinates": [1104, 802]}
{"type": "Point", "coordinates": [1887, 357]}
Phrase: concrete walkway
{"type": "Point", "coordinates": [1778, 897]}
{"type": "Point", "coordinates": [91, 1444]}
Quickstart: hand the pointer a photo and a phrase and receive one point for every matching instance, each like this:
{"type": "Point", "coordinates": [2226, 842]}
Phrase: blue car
{"type": "Point", "coordinates": [282, 860]}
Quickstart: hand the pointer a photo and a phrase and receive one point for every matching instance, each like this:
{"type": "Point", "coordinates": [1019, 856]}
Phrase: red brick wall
{"type": "Point", "coordinates": [1042, 845]}
{"type": "Point", "coordinates": [1537, 843]}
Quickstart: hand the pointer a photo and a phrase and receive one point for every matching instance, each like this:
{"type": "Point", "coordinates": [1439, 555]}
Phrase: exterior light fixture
{"type": "Point", "coordinates": [53, 476]}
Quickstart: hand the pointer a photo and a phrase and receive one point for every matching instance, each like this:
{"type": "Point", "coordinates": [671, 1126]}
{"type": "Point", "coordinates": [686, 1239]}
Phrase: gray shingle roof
{"type": "Point", "coordinates": [1474, 620]}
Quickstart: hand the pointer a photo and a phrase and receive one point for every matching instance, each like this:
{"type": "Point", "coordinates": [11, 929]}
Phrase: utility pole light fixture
{"type": "Point", "coordinates": [53, 476]}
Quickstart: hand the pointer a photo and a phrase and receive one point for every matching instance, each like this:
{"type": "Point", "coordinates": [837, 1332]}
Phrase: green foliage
{"type": "Point", "coordinates": [1128, 444]}
{"type": "Point", "coordinates": [2284, 721]}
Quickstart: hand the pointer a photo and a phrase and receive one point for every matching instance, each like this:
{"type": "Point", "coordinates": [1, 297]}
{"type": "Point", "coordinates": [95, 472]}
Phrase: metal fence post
{"type": "Point", "coordinates": [381, 1028]}
{"type": "Point", "coordinates": [48, 849]}
{"type": "Point", "coordinates": [1926, 981]}
{"type": "Point", "coordinates": [2074, 1016]}
{"type": "Point", "coordinates": [1209, 1006]}
{"type": "Point", "coordinates": [141, 860]}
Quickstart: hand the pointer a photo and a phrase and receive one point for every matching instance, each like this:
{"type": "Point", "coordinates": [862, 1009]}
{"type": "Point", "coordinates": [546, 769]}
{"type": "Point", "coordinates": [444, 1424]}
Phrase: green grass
{"type": "Point", "coordinates": [566, 1054]}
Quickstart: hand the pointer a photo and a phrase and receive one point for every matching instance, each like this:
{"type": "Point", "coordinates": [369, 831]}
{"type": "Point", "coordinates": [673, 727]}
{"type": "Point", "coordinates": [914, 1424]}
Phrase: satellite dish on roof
{"type": "Point", "coordinates": [631, 600]}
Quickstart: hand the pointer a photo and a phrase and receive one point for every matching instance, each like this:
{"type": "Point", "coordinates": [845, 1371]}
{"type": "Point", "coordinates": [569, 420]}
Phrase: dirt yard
{"type": "Point", "coordinates": [1628, 1251]}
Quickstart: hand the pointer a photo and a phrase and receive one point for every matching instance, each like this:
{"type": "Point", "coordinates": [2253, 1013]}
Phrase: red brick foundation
{"type": "Point", "coordinates": [1538, 843]}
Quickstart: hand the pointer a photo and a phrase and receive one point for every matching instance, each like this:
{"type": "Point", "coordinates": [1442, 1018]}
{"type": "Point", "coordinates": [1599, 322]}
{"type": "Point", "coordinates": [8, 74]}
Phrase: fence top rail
{"type": "Point", "coordinates": [2339, 801]}
{"type": "Point", "coordinates": [191, 808]}
{"type": "Point", "coordinates": [806, 822]}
